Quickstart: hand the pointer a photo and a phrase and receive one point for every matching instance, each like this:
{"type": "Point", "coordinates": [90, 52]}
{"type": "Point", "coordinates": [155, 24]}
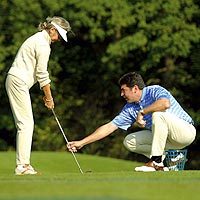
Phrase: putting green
{"type": "Point", "coordinates": [110, 179]}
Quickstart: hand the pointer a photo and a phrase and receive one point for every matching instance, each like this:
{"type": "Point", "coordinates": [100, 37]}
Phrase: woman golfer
{"type": "Point", "coordinates": [30, 66]}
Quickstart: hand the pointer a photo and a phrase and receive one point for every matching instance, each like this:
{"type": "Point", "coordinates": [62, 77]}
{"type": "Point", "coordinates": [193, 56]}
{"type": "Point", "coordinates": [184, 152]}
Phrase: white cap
{"type": "Point", "coordinates": [61, 31]}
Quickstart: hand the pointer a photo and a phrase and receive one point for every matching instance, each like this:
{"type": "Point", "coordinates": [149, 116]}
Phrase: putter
{"type": "Point", "coordinates": [67, 141]}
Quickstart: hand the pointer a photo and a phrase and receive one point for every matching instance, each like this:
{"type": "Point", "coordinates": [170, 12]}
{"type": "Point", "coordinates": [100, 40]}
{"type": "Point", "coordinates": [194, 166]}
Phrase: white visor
{"type": "Point", "coordinates": [62, 32]}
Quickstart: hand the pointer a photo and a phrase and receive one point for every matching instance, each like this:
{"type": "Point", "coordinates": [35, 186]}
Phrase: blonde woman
{"type": "Point", "coordinates": [30, 66]}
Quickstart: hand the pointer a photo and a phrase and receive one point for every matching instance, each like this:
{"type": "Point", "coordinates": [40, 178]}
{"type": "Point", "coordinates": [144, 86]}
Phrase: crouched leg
{"type": "Point", "coordinates": [139, 142]}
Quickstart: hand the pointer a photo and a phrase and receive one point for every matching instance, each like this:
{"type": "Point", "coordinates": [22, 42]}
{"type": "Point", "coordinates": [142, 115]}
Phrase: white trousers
{"type": "Point", "coordinates": [168, 132]}
{"type": "Point", "coordinates": [20, 102]}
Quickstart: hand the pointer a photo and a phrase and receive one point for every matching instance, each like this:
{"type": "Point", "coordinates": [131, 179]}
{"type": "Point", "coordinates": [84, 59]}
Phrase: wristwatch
{"type": "Point", "coordinates": [142, 112]}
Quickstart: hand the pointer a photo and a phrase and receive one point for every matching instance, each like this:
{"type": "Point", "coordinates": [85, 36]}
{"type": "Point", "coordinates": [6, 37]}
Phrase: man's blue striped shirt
{"type": "Point", "coordinates": [150, 94]}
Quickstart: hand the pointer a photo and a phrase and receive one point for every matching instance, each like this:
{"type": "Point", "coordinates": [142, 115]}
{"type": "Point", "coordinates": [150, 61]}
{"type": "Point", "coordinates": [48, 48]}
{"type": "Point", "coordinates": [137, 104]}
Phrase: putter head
{"type": "Point", "coordinates": [88, 171]}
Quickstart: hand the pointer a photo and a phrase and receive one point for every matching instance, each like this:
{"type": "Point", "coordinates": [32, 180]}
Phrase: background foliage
{"type": "Point", "coordinates": [158, 38]}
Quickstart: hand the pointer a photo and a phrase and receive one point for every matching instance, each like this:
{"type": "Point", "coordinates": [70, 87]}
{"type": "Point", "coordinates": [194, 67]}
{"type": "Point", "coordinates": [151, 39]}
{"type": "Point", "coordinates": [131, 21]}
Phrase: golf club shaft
{"type": "Point", "coordinates": [66, 140]}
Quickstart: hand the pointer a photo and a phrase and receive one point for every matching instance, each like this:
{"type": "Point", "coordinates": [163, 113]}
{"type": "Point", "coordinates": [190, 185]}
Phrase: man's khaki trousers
{"type": "Point", "coordinates": [168, 132]}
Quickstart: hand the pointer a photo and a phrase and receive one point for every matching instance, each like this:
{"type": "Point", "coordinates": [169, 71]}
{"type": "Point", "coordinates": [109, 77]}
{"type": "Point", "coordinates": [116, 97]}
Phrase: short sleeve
{"type": "Point", "coordinates": [124, 120]}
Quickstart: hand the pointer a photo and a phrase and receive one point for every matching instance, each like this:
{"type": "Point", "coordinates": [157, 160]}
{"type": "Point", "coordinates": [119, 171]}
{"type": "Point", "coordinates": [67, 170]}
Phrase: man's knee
{"type": "Point", "coordinates": [157, 116]}
{"type": "Point", "coordinates": [130, 142]}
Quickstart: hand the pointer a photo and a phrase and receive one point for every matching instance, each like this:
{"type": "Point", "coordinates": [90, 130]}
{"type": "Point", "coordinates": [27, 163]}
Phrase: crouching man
{"type": "Point", "coordinates": [166, 124]}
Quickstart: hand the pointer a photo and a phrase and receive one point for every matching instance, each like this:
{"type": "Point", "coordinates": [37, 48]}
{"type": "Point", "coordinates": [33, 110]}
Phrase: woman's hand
{"type": "Point", "coordinates": [49, 103]}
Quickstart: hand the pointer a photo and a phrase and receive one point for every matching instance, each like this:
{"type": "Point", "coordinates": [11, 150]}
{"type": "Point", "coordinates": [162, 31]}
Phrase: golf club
{"type": "Point", "coordinates": [66, 140]}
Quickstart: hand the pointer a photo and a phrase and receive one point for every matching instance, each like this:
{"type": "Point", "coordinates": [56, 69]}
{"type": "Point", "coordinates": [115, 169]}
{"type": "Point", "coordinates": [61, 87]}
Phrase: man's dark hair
{"type": "Point", "coordinates": [131, 79]}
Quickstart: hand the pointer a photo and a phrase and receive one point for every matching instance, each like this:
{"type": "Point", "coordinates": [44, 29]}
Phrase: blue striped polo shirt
{"type": "Point", "coordinates": [150, 94]}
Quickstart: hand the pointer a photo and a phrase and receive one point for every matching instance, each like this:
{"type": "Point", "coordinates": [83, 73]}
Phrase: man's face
{"type": "Point", "coordinates": [130, 94]}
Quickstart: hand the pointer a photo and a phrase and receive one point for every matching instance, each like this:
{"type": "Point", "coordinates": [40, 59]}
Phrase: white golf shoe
{"type": "Point", "coordinates": [25, 170]}
{"type": "Point", "coordinates": [151, 166]}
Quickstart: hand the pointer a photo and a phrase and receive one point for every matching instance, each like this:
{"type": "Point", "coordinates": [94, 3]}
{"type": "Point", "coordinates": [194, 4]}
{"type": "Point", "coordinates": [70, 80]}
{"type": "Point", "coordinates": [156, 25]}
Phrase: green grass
{"type": "Point", "coordinates": [111, 179]}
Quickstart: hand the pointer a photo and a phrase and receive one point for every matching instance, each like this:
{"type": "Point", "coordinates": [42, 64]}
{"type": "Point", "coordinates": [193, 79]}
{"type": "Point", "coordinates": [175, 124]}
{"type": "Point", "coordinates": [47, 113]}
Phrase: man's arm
{"type": "Point", "coordinates": [98, 134]}
{"type": "Point", "coordinates": [159, 105]}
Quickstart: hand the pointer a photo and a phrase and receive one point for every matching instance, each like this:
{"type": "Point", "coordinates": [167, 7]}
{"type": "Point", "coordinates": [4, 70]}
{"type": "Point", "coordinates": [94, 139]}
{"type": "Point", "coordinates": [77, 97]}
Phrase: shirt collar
{"type": "Point", "coordinates": [144, 91]}
{"type": "Point", "coordinates": [46, 36]}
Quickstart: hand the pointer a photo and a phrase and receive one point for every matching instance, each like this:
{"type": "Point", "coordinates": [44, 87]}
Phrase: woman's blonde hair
{"type": "Point", "coordinates": [58, 20]}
